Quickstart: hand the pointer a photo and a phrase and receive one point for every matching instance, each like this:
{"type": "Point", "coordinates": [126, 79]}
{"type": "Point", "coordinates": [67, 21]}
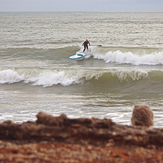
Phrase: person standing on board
{"type": "Point", "coordinates": [86, 45]}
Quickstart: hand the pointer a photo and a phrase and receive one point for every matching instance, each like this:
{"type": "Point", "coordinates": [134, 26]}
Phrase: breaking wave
{"type": "Point", "coordinates": [136, 57]}
{"type": "Point", "coordinates": [67, 77]}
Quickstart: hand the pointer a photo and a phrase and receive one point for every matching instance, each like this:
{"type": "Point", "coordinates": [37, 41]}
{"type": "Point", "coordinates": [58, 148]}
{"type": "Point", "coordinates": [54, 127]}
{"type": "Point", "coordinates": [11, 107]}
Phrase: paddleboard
{"type": "Point", "coordinates": [78, 56]}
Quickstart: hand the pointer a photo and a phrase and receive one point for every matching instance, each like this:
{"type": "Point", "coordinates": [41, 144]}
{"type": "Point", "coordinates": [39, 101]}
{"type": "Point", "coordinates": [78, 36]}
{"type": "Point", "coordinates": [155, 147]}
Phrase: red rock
{"type": "Point", "coordinates": [60, 139]}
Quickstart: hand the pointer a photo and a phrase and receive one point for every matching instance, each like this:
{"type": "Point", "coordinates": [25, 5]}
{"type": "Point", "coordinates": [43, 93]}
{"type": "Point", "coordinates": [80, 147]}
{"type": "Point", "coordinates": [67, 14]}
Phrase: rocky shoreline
{"type": "Point", "coordinates": [63, 140]}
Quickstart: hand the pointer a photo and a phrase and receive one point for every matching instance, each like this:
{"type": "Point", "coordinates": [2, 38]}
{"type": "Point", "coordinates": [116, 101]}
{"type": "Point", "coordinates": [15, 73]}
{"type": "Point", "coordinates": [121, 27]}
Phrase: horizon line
{"type": "Point", "coordinates": [81, 11]}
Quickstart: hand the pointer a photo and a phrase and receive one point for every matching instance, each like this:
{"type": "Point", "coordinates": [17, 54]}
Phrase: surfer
{"type": "Point", "coordinates": [86, 45]}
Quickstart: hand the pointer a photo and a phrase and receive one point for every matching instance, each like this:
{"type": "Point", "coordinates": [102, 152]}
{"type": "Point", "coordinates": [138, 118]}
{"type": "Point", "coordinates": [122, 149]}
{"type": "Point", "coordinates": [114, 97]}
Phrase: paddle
{"type": "Point", "coordinates": [95, 45]}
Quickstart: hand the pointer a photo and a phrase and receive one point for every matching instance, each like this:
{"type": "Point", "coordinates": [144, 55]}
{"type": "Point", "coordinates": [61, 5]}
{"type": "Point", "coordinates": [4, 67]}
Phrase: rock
{"type": "Point", "coordinates": [78, 140]}
{"type": "Point", "coordinates": [46, 119]}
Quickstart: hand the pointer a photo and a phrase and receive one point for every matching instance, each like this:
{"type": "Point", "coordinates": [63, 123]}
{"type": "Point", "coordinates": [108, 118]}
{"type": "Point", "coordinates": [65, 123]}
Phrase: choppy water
{"type": "Point", "coordinates": [36, 73]}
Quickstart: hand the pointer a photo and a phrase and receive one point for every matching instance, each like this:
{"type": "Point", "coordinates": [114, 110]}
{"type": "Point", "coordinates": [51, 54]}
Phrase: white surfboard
{"type": "Point", "coordinates": [78, 56]}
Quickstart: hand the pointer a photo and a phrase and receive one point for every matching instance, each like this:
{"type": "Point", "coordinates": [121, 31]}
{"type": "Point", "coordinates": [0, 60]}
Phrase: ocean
{"type": "Point", "coordinates": [36, 73]}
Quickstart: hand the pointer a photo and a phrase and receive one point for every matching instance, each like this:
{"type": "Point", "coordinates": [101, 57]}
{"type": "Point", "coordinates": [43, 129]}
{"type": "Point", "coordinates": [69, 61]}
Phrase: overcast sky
{"type": "Point", "coordinates": [82, 5]}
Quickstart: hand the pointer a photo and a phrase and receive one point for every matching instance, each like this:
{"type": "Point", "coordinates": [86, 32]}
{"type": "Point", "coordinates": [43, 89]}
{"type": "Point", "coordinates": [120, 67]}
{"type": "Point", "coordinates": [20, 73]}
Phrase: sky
{"type": "Point", "coordinates": [81, 5]}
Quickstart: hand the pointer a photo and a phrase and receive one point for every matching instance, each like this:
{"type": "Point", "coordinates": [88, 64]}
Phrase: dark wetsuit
{"type": "Point", "coordinates": [86, 45]}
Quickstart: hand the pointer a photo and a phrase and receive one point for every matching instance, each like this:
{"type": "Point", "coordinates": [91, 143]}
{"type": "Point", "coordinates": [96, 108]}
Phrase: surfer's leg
{"type": "Point", "coordinates": [84, 48]}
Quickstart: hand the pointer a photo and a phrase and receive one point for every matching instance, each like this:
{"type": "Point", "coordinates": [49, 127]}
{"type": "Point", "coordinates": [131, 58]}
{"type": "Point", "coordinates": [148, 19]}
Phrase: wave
{"type": "Point", "coordinates": [45, 77]}
{"type": "Point", "coordinates": [118, 55]}
{"type": "Point", "coordinates": [67, 77]}
{"type": "Point", "coordinates": [36, 53]}
{"type": "Point", "coordinates": [133, 56]}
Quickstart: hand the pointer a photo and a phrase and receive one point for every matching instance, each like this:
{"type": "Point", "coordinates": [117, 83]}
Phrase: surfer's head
{"type": "Point", "coordinates": [142, 115]}
{"type": "Point", "coordinates": [86, 40]}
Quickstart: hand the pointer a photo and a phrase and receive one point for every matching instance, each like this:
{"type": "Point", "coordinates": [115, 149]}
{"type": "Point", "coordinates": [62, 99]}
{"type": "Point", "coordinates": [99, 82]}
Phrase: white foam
{"type": "Point", "coordinates": [9, 76]}
{"type": "Point", "coordinates": [130, 58]}
{"type": "Point", "coordinates": [53, 78]}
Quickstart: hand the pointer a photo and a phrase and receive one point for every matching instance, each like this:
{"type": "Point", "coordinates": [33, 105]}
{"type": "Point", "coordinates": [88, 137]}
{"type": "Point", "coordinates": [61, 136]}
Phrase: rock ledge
{"type": "Point", "coordinates": [60, 139]}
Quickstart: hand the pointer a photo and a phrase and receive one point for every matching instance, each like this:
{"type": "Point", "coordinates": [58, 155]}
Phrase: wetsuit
{"type": "Point", "coordinates": [86, 45]}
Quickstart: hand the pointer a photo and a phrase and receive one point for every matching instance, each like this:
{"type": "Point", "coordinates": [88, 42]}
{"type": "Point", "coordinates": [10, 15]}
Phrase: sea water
{"type": "Point", "coordinates": [36, 73]}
